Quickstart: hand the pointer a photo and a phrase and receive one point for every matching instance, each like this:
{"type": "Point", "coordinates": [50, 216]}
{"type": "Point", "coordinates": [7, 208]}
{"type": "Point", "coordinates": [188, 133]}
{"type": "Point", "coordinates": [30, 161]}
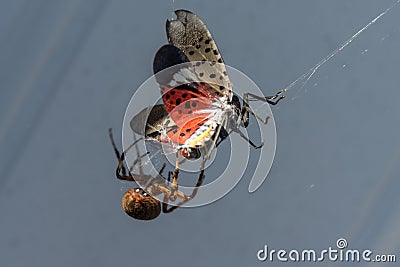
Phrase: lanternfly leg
{"type": "Point", "coordinates": [247, 97]}
{"type": "Point", "coordinates": [248, 140]}
{"type": "Point", "coordinates": [272, 100]}
{"type": "Point", "coordinates": [222, 136]}
{"type": "Point", "coordinates": [246, 110]}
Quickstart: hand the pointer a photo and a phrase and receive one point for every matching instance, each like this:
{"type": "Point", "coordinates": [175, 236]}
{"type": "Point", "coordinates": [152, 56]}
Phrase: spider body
{"type": "Point", "coordinates": [140, 203]}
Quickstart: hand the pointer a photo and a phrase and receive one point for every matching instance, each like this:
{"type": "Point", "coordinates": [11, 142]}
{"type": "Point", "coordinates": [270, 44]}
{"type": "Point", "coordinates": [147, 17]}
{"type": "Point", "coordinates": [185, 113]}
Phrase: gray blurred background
{"type": "Point", "coordinates": [69, 68]}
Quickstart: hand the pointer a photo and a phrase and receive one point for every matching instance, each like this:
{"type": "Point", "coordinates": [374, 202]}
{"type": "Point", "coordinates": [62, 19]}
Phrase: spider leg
{"type": "Point", "coordinates": [167, 209]}
{"type": "Point", "coordinates": [154, 181]}
{"type": "Point", "coordinates": [138, 157]}
{"type": "Point", "coordinates": [167, 191]}
{"type": "Point", "coordinates": [121, 171]}
{"type": "Point", "coordinates": [174, 185]}
{"type": "Point", "coordinates": [138, 161]}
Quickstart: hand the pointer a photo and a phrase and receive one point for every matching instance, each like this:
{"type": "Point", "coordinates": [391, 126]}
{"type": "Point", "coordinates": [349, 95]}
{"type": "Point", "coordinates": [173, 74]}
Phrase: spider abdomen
{"type": "Point", "coordinates": [140, 205]}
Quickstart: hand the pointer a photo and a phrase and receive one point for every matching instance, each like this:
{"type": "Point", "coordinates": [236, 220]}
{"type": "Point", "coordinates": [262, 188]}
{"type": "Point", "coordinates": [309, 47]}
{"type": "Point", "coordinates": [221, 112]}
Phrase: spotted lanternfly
{"type": "Point", "coordinates": [138, 202]}
{"type": "Point", "coordinates": [199, 104]}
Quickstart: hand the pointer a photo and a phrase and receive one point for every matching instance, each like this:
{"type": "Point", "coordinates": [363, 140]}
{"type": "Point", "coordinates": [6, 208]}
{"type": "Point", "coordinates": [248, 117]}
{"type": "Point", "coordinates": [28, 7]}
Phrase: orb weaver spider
{"type": "Point", "coordinates": [138, 202]}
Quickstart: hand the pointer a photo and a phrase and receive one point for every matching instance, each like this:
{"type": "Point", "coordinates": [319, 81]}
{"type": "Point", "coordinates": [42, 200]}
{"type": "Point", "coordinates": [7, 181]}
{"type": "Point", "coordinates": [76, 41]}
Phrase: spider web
{"type": "Point", "coordinates": [307, 76]}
